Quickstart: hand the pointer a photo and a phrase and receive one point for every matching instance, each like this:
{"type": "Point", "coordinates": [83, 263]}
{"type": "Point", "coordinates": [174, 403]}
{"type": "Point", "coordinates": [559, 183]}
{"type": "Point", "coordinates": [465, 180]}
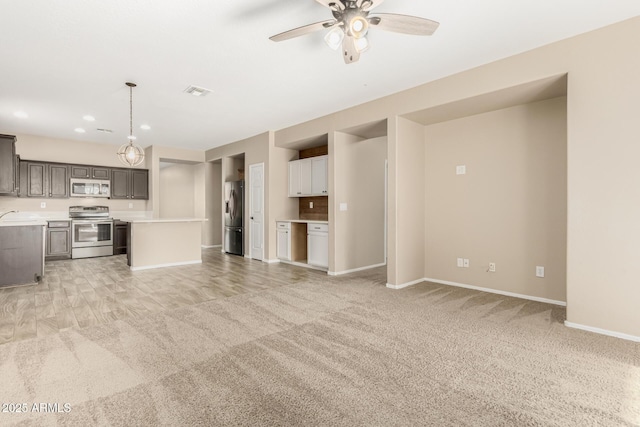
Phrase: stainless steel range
{"type": "Point", "coordinates": [91, 231]}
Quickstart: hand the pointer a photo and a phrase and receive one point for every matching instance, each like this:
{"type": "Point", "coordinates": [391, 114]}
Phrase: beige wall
{"type": "Point", "coordinates": [407, 150]}
{"type": "Point", "coordinates": [603, 234]}
{"type": "Point", "coordinates": [32, 147]}
{"type": "Point", "coordinates": [255, 150]}
{"type": "Point", "coordinates": [509, 208]}
{"type": "Point", "coordinates": [279, 205]}
{"type": "Point", "coordinates": [260, 149]}
{"type": "Point", "coordinates": [156, 154]}
{"type": "Point", "coordinates": [213, 204]}
{"type": "Point", "coordinates": [178, 189]}
{"type": "Point", "coordinates": [359, 168]}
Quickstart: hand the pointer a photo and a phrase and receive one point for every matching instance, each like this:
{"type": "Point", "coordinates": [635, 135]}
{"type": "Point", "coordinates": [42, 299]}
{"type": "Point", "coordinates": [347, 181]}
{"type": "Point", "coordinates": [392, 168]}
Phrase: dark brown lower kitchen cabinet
{"type": "Point", "coordinates": [44, 180]}
{"type": "Point", "coordinates": [119, 237]}
{"type": "Point", "coordinates": [130, 184]}
{"type": "Point", "coordinates": [8, 172]}
{"type": "Point", "coordinates": [58, 245]}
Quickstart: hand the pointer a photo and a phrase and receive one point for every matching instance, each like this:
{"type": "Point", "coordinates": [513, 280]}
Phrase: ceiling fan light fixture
{"type": "Point", "coordinates": [130, 154]}
{"type": "Point", "coordinates": [362, 44]}
{"type": "Point", "coordinates": [334, 38]}
{"type": "Point", "coordinates": [358, 27]}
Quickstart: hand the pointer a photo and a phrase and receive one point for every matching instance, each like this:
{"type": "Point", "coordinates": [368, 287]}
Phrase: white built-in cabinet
{"type": "Point", "coordinates": [283, 242]}
{"type": "Point", "coordinates": [318, 244]}
{"type": "Point", "coordinates": [308, 177]}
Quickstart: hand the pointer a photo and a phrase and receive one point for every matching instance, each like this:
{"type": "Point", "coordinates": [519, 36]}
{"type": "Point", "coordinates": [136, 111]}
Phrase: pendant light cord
{"type": "Point", "coordinates": [130, 114]}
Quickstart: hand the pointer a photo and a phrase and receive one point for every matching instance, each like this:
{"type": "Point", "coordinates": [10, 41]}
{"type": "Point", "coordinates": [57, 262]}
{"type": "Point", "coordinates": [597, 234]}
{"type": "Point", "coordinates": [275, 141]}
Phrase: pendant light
{"type": "Point", "coordinates": [129, 153]}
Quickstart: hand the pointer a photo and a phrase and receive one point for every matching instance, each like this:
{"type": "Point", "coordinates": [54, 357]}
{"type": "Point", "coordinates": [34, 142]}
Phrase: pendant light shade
{"type": "Point", "coordinates": [129, 153]}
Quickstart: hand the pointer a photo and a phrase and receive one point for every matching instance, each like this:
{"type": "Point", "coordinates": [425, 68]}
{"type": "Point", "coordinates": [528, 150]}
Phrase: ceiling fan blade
{"type": "Point", "coordinates": [301, 31]}
{"type": "Point", "coordinates": [404, 24]}
{"type": "Point", "coordinates": [349, 50]}
{"type": "Point", "coordinates": [332, 4]}
{"type": "Point", "coordinates": [367, 5]}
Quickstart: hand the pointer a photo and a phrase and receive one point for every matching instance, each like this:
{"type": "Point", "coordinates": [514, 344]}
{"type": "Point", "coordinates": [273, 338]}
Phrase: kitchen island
{"type": "Point", "coordinates": [155, 243]}
{"type": "Point", "coordinates": [21, 251]}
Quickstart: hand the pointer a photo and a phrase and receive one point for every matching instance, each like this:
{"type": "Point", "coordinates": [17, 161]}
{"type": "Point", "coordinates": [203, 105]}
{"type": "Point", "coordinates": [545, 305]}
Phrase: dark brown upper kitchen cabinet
{"type": "Point", "coordinates": [140, 184]}
{"type": "Point", "coordinates": [8, 172]}
{"type": "Point", "coordinates": [120, 184]}
{"type": "Point", "coordinates": [44, 180]}
{"type": "Point", "coordinates": [130, 184]}
{"type": "Point", "coordinates": [90, 172]}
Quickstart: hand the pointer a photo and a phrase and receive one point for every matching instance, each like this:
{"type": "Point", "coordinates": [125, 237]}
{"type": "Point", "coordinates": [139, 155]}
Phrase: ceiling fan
{"type": "Point", "coordinates": [352, 22]}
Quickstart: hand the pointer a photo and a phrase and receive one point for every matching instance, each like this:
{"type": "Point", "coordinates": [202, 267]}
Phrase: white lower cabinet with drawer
{"type": "Point", "coordinates": [318, 244]}
{"type": "Point", "coordinates": [283, 246]}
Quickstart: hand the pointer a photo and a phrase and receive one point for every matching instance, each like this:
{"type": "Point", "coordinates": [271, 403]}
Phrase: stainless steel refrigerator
{"type": "Point", "coordinates": [233, 207]}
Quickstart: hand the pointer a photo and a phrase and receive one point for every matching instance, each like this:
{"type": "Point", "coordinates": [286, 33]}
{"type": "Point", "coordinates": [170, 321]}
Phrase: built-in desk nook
{"type": "Point", "coordinates": [303, 242]}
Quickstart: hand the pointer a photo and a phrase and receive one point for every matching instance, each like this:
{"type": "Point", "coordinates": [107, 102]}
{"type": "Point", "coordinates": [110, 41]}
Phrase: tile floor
{"type": "Point", "coordinates": [86, 292]}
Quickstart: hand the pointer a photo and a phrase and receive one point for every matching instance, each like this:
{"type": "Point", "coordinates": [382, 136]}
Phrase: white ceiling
{"type": "Point", "coordinates": [62, 59]}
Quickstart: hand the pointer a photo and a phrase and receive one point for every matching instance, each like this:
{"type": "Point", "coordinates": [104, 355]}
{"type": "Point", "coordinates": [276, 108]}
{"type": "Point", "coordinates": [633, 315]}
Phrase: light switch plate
{"type": "Point", "coordinates": [343, 206]}
{"type": "Point", "coordinates": [466, 263]}
{"type": "Point", "coordinates": [539, 271]}
{"type": "Point", "coordinates": [461, 170]}
{"type": "Point", "coordinates": [130, 205]}
{"type": "Point", "coordinates": [460, 262]}
{"type": "Point", "coordinates": [310, 205]}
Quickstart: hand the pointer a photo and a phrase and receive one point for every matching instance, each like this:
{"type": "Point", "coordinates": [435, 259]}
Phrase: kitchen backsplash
{"type": "Point", "coordinates": [320, 210]}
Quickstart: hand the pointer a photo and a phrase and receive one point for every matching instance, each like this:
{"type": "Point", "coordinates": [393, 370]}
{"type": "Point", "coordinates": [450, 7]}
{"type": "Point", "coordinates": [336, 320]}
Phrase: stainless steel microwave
{"type": "Point", "coordinates": [90, 187]}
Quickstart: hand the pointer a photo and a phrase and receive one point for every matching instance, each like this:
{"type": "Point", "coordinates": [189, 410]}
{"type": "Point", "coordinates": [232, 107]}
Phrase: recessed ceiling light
{"type": "Point", "coordinates": [197, 91]}
{"type": "Point", "coordinates": [80, 130]}
{"type": "Point", "coordinates": [21, 114]}
{"type": "Point", "coordinates": [145, 127]}
{"type": "Point", "coordinates": [89, 118]}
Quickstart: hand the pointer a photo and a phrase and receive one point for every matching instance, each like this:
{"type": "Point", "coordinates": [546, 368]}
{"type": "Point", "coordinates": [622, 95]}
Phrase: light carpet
{"type": "Point", "coordinates": [330, 351]}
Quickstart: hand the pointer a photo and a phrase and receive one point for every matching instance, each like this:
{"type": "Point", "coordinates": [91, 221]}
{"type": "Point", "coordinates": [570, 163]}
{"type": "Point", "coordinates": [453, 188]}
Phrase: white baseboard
{"type": "Point", "coordinates": [405, 285]}
{"type": "Point", "coordinates": [601, 331]}
{"type": "Point", "coordinates": [271, 261]}
{"type": "Point", "coordinates": [300, 264]}
{"type": "Point", "coordinates": [173, 264]}
{"type": "Point", "coordinates": [499, 292]}
{"type": "Point", "coordinates": [211, 247]}
{"type": "Point", "coordinates": [479, 288]}
{"type": "Point", "coordinates": [368, 267]}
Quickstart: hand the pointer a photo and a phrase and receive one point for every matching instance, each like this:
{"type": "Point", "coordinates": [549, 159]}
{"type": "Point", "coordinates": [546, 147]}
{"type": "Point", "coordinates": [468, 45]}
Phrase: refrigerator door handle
{"type": "Point", "coordinates": [235, 205]}
{"type": "Point", "coordinates": [232, 204]}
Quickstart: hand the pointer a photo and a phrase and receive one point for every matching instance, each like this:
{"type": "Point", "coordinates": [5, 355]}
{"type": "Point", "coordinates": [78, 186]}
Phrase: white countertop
{"type": "Point", "coordinates": [304, 221]}
{"type": "Point", "coordinates": [22, 222]}
{"type": "Point", "coordinates": [160, 220]}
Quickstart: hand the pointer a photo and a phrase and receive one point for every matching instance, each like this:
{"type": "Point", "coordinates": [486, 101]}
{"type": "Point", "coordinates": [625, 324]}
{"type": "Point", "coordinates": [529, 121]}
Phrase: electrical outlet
{"type": "Point", "coordinates": [130, 205]}
{"type": "Point", "coordinates": [310, 205]}
{"type": "Point", "coordinates": [460, 262]}
{"type": "Point", "coordinates": [343, 206]}
{"type": "Point", "coordinates": [466, 263]}
{"type": "Point", "coordinates": [539, 271]}
{"type": "Point", "coordinates": [461, 170]}
{"type": "Point", "coordinates": [43, 205]}
{"type": "Point", "coordinates": [492, 267]}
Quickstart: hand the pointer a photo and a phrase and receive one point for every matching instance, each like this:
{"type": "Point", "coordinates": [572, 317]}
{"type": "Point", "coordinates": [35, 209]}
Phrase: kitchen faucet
{"type": "Point", "coordinates": [6, 213]}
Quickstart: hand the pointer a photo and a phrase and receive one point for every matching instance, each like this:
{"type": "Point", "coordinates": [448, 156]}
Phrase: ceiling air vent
{"type": "Point", "coordinates": [197, 91]}
{"type": "Point", "coordinates": [105, 130]}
